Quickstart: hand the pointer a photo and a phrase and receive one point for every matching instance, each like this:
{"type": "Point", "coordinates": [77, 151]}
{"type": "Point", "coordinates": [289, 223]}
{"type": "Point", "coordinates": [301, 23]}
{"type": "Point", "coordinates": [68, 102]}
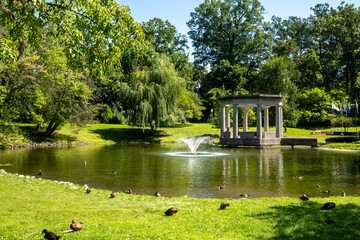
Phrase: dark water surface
{"type": "Point", "coordinates": [146, 168]}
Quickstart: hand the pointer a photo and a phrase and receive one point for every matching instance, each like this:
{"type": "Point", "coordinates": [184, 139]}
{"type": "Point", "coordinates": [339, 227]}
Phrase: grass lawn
{"type": "Point", "coordinates": [28, 205]}
{"type": "Point", "coordinates": [114, 133]}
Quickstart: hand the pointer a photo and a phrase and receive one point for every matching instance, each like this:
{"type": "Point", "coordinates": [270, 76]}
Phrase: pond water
{"type": "Point", "coordinates": [146, 168]}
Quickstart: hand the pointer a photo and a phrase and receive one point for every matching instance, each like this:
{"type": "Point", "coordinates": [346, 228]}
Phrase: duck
{"type": "Point", "coordinates": [129, 191]}
{"type": "Point", "coordinates": [328, 206]}
{"type": "Point", "coordinates": [304, 197]}
{"type": "Point", "coordinates": [39, 173]}
{"type": "Point", "coordinates": [221, 187]}
{"type": "Point", "coordinates": [343, 194]}
{"type": "Point", "coordinates": [50, 235]}
{"type": "Point", "coordinates": [171, 211]}
{"type": "Point", "coordinates": [329, 220]}
{"type": "Point", "coordinates": [325, 191]}
{"type": "Point", "coordinates": [244, 195]}
{"type": "Point", "coordinates": [113, 194]}
{"type": "Point", "coordinates": [88, 190]}
{"type": "Point", "coordinates": [76, 226]}
{"type": "Point", "coordinates": [157, 194]}
{"type": "Point", "coordinates": [299, 177]}
{"type": "Point", "coordinates": [224, 205]}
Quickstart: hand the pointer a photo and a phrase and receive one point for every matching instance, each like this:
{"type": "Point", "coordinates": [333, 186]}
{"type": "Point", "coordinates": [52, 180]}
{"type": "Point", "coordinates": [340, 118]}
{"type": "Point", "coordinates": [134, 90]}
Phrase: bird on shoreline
{"type": "Point", "coordinates": [113, 194]}
{"type": "Point", "coordinates": [171, 211]}
{"type": "Point", "coordinates": [50, 235]}
{"type": "Point", "coordinates": [157, 194]}
{"type": "Point", "coordinates": [39, 173]}
{"type": "Point", "coordinates": [224, 205]}
{"type": "Point", "coordinates": [317, 185]}
{"type": "Point", "coordinates": [76, 226]}
{"type": "Point", "coordinates": [88, 190]}
{"type": "Point", "coordinates": [221, 187]}
{"type": "Point", "coordinates": [304, 197]}
{"type": "Point", "coordinates": [343, 194]}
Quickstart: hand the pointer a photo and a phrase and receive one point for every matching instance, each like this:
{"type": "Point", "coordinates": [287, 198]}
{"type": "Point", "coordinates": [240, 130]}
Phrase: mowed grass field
{"type": "Point", "coordinates": [29, 205]}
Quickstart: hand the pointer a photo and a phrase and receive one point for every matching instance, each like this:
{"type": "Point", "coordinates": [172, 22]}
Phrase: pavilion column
{"type": "Point", "coordinates": [266, 119]}
{"type": "Point", "coordinates": [245, 119]}
{"type": "Point", "coordinates": [258, 121]}
{"type": "Point", "coordinates": [222, 121]}
{"type": "Point", "coordinates": [279, 119]}
{"type": "Point", "coordinates": [227, 118]}
{"type": "Point", "coordinates": [235, 122]}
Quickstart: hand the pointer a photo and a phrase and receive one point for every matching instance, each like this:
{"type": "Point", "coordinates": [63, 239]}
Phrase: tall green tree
{"type": "Point", "coordinates": [228, 30]}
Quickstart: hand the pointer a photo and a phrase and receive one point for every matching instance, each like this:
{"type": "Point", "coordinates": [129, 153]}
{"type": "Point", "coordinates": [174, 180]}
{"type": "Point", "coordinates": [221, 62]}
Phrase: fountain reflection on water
{"type": "Point", "coordinates": [193, 143]}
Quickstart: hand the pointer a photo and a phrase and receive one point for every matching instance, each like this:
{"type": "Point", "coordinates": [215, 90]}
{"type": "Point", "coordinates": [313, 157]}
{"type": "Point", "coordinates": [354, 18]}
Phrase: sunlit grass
{"type": "Point", "coordinates": [30, 205]}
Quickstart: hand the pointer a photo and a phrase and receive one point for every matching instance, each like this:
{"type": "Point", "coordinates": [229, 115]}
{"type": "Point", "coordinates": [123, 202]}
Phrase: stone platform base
{"type": "Point", "coordinates": [269, 141]}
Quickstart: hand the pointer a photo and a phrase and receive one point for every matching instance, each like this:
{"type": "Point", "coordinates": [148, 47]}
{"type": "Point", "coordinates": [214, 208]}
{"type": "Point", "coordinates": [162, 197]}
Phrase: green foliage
{"type": "Point", "coordinates": [316, 105]}
{"type": "Point", "coordinates": [227, 30]}
{"type": "Point", "coordinates": [150, 97]}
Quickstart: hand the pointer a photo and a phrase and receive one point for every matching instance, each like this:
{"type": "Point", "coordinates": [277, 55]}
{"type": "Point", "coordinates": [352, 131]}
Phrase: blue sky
{"type": "Point", "coordinates": [177, 12]}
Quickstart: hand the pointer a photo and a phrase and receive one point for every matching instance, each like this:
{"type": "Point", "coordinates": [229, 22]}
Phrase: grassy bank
{"type": "Point", "coordinates": [29, 205]}
{"type": "Point", "coordinates": [114, 133]}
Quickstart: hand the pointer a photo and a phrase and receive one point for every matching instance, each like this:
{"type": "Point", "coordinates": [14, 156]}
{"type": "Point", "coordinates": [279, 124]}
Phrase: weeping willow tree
{"type": "Point", "coordinates": [151, 96]}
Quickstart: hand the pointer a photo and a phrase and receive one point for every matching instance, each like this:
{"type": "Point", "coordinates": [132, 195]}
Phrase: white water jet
{"type": "Point", "coordinates": [194, 142]}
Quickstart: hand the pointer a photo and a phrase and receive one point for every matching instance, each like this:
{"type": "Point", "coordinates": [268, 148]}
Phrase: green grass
{"type": "Point", "coordinates": [29, 205]}
{"type": "Point", "coordinates": [114, 133]}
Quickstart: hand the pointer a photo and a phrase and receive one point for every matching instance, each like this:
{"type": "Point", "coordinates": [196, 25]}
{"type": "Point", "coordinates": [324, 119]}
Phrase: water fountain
{"type": "Point", "coordinates": [193, 143]}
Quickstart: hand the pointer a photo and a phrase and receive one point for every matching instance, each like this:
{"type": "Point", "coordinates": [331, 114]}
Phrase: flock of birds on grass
{"type": "Point", "coordinates": [77, 226]}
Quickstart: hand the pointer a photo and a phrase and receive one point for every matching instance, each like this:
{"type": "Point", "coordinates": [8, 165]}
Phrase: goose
{"type": "Point", "coordinates": [343, 194]}
{"type": "Point", "coordinates": [244, 195]}
{"type": "Point", "coordinates": [171, 211]}
{"type": "Point", "coordinates": [157, 194]}
{"type": "Point", "coordinates": [39, 173]}
{"type": "Point", "coordinates": [221, 187]}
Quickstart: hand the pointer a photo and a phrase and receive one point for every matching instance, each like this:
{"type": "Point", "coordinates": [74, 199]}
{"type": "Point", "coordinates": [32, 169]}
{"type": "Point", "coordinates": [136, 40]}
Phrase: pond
{"type": "Point", "coordinates": [147, 168]}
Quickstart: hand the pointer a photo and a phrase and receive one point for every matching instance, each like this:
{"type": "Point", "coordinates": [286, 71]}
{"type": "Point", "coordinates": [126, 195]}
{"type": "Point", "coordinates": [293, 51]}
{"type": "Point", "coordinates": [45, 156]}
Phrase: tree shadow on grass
{"type": "Point", "coordinates": [120, 135]}
{"type": "Point", "coordinates": [30, 133]}
{"type": "Point", "coordinates": [307, 221]}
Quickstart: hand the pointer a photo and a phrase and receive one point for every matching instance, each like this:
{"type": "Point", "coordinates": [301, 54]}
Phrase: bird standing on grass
{"type": "Point", "coordinates": [39, 173]}
{"type": "Point", "coordinates": [157, 194]}
{"type": "Point", "coordinates": [76, 226]}
{"type": "Point", "coordinates": [221, 187]}
{"type": "Point", "coordinates": [343, 194]}
{"type": "Point", "coordinates": [88, 190]}
{"type": "Point", "coordinates": [224, 205]}
{"type": "Point", "coordinates": [50, 235]}
{"type": "Point", "coordinates": [171, 211]}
